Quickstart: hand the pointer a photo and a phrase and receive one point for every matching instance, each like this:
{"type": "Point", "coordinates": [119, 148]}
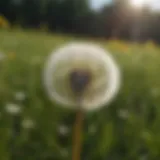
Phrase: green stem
{"type": "Point", "coordinates": [77, 136]}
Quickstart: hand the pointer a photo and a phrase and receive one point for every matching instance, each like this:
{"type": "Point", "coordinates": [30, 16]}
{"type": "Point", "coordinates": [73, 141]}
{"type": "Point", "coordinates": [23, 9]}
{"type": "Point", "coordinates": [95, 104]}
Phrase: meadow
{"type": "Point", "coordinates": [33, 128]}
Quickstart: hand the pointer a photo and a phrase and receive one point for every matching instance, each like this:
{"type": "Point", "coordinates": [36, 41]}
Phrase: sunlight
{"type": "Point", "coordinates": [139, 3]}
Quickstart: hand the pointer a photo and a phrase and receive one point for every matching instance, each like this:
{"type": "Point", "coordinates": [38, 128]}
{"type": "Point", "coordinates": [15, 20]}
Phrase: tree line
{"type": "Point", "coordinates": [116, 20]}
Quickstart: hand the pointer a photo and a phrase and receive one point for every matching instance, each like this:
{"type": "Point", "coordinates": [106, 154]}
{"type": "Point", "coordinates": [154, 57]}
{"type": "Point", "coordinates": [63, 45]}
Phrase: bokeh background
{"type": "Point", "coordinates": [32, 127]}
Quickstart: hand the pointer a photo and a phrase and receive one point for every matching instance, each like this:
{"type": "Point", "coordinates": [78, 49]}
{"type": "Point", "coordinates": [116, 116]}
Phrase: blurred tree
{"type": "Point", "coordinates": [31, 12]}
{"type": "Point", "coordinates": [4, 7]}
{"type": "Point", "coordinates": [52, 14]}
{"type": "Point", "coordinates": [154, 25]}
{"type": "Point", "coordinates": [116, 20]}
{"type": "Point", "coordinates": [65, 14]}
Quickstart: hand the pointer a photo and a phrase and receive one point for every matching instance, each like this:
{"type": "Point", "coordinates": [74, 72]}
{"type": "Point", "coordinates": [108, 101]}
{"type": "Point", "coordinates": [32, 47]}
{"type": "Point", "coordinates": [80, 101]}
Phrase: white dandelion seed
{"type": "Point", "coordinates": [88, 57]}
{"type": "Point", "coordinates": [13, 109]}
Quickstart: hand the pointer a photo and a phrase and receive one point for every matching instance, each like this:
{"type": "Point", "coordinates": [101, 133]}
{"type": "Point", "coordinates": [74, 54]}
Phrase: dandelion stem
{"type": "Point", "coordinates": [77, 135]}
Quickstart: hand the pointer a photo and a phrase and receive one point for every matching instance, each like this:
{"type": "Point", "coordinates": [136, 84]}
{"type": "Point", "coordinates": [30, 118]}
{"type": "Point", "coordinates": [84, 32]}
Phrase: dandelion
{"type": "Point", "coordinates": [91, 66]}
{"type": "Point", "coordinates": [13, 109]}
{"type": "Point", "coordinates": [84, 77]}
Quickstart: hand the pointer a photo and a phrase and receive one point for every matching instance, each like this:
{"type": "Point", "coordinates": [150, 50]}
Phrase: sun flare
{"type": "Point", "coordinates": [139, 3]}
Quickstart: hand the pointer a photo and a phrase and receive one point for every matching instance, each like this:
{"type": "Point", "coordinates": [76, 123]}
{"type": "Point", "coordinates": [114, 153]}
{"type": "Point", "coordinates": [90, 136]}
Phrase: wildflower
{"type": "Point", "coordinates": [13, 109]}
{"type": "Point", "coordinates": [20, 96]}
{"type": "Point", "coordinates": [81, 67]}
{"type": "Point", "coordinates": [63, 130]}
{"type": "Point", "coordinates": [28, 123]}
{"type": "Point", "coordinates": [124, 114]}
{"type": "Point", "coordinates": [3, 22]}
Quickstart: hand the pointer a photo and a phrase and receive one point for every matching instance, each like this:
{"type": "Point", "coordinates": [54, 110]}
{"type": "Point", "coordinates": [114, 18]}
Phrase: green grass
{"type": "Point", "coordinates": [126, 130]}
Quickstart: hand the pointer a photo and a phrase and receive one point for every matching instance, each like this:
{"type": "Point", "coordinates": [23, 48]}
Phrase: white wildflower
{"type": "Point", "coordinates": [123, 113]}
{"type": "Point", "coordinates": [13, 109]}
{"type": "Point", "coordinates": [20, 96]}
{"type": "Point", "coordinates": [84, 56]}
{"type": "Point", "coordinates": [28, 123]}
{"type": "Point", "coordinates": [63, 130]}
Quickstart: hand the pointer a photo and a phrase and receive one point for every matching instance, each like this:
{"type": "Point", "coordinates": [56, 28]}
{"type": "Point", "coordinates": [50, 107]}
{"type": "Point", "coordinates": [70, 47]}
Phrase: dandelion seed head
{"type": "Point", "coordinates": [86, 57]}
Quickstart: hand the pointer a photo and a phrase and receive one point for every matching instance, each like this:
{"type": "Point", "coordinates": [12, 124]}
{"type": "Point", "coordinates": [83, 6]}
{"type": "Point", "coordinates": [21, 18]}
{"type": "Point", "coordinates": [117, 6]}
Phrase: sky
{"type": "Point", "coordinates": [96, 4]}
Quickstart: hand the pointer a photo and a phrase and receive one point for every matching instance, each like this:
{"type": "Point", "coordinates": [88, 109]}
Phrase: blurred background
{"type": "Point", "coordinates": [34, 128]}
{"type": "Point", "coordinates": [125, 19]}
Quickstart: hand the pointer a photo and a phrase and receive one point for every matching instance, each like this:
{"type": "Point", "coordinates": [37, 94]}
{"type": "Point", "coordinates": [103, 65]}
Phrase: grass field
{"type": "Point", "coordinates": [32, 128]}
